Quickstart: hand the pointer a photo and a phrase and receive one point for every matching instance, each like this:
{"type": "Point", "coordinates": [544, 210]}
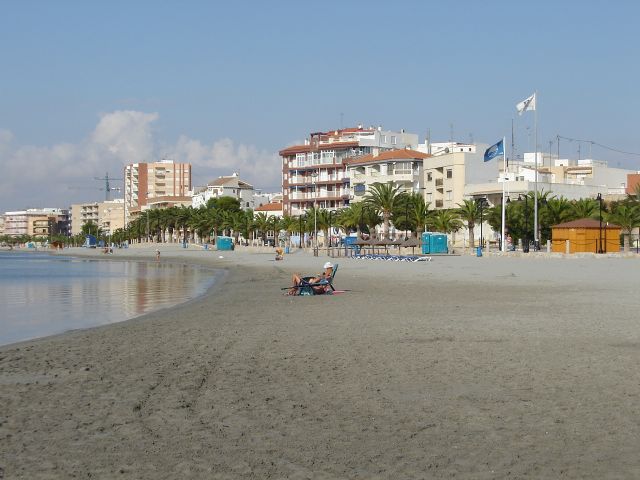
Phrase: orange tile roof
{"type": "Point", "coordinates": [269, 207]}
{"type": "Point", "coordinates": [403, 154]}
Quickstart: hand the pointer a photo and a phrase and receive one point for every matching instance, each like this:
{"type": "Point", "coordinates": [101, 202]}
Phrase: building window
{"type": "Point", "coordinates": [429, 177]}
{"type": "Point", "coordinates": [393, 140]}
{"type": "Point", "coordinates": [429, 197]}
{"type": "Point", "coordinates": [449, 195]}
{"type": "Point", "coordinates": [383, 138]}
{"type": "Point", "coordinates": [449, 173]}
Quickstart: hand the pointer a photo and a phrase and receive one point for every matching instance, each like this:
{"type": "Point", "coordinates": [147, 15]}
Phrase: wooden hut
{"type": "Point", "coordinates": [584, 236]}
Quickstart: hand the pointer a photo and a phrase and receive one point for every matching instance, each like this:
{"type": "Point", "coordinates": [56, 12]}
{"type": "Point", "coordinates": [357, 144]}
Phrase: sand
{"type": "Point", "coordinates": [461, 367]}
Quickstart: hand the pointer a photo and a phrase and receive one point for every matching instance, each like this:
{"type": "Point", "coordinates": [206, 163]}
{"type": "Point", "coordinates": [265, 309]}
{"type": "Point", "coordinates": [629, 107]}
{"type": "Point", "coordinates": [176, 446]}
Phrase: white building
{"type": "Point", "coordinates": [403, 168]}
{"type": "Point", "coordinates": [227, 186]}
{"type": "Point", "coordinates": [314, 173]}
{"type": "Point", "coordinates": [447, 174]}
{"type": "Point", "coordinates": [569, 178]}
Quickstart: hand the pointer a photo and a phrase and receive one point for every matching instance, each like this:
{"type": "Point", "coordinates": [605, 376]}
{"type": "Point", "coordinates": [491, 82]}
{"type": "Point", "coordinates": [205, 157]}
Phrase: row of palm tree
{"type": "Point", "coordinates": [383, 204]}
{"type": "Point", "coordinates": [552, 211]}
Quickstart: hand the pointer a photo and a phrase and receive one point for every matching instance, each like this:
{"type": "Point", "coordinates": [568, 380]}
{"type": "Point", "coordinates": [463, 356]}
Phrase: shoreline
{"type": "Point", "coordinates": [474, 367]}
{"type": "Point", "coordinates": [216, 275]}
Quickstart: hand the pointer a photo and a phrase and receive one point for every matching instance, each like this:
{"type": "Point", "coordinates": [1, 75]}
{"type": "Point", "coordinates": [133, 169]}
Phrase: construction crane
{"type": "Point", "coordinates": [107, 187]}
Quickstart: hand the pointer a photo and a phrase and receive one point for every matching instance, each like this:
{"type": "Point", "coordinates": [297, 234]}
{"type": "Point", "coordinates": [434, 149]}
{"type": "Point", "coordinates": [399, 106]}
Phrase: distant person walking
{"type": "Point", "coordinates": [157, 254]}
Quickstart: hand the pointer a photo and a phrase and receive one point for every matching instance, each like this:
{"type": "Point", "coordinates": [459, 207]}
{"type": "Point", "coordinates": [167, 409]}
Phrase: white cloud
{"type": "Point", "coordinates": [61, 174]}
{"type": "Point", "coordinates": [126, 134]}
{"type": "Point", "coordinates": [223, 157]}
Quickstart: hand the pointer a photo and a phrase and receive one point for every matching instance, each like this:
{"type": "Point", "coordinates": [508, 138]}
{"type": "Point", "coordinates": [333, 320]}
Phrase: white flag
{"type": "Point", "coordinates": [526, 104]}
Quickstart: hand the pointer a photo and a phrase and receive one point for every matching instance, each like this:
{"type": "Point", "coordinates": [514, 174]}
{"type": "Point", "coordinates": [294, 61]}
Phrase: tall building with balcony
{"type": "Point", "coordinates": [451, 169]}
{"type": "Point", "coordinates": [155, 185]}
{"type": "Point", "coordinates": [402, 168]}
{"type": "Point", "coordinates": [40, 222]}
{"type": "Point", "coordinates": [81, 214]}
{"type": "Point", "coordinates": [314, 173]}
{"type": "Point", "coordinates": [108, 215]}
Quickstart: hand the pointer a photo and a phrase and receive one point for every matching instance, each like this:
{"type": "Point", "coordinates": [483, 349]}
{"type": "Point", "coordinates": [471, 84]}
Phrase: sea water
{"type": "Point", "coordinates": [44, 294]}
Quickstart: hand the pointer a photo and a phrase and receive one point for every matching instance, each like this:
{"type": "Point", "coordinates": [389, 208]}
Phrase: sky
{"type": "Point", "coordinates": [88, 87]}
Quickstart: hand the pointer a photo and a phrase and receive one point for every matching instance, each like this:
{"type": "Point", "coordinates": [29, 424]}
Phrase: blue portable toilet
{"type": "Point", "coordinates": [90, 241]}
{"type": "Point", "coordinates": [426, 243]}
{"type": "Point", "coordinates": [350, 243]}
{"type": "Point", "coordinates": [438, 243]}
{"type": "Point", "coordinates": [224, 243]}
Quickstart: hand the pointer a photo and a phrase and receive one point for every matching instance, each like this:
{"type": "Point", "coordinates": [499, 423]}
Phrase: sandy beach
{"type": "Point", "coordinates": [464, 367]}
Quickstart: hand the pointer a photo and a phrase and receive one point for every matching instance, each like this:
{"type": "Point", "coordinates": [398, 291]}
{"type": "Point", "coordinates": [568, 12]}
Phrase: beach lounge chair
{"type": "Point", "coordinates": [306, 288]}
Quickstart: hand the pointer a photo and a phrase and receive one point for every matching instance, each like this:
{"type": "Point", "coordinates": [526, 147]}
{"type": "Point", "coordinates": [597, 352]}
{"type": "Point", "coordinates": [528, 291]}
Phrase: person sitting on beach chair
{"type": "Point", "coordinates": [313, 285]}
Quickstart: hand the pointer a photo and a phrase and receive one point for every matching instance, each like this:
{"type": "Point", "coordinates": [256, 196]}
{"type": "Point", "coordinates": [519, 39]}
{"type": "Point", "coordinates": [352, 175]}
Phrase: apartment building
{"type": "Point", "coordinates": [108, 215]}
{"type": "Point", "coordinates": [83, 213]}
{"type": "Point", "coordinates": [569, 178]}
{"type": "Point", "coordinates": [402, 168]}
{"type": "Point", "coordinates": [226, 186]}
{"type": "Point", "coordinates": [314, 173]}
{"type": "Point", "coordinates": [111, 215]}
{"type": "Point", "coordinates": [155, 185]}
{"type": "Point", "coordinates": [447, 173]}
{"type": "Point", "coordinates": [40, 222]}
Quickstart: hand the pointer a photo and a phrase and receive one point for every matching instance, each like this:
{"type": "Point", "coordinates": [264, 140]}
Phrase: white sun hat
{"type": "Point", "coordinates": [328, 265]}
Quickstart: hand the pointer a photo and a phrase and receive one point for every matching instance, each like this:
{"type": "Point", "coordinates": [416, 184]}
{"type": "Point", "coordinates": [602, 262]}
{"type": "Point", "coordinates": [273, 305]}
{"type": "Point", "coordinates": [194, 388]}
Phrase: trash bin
{"type": "Point", "coordinates": [478, 251]}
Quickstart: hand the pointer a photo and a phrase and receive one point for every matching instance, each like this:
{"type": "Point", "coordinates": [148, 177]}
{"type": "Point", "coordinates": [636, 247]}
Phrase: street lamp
{"type": "Point", "coordinates": [331, 212]}
{"type": "Point", "coordinates": [314, 179]}
{"type": "Point", "coordinates": [301, 234]}
{"type": "Point", "coordinates": [525, 243]}
{"type": "Point", "coordinates": [406, 220]}
{"type": "Point", "coordinates": [599, 249]}
{"type": "Point", "coordinates": [482, 202]}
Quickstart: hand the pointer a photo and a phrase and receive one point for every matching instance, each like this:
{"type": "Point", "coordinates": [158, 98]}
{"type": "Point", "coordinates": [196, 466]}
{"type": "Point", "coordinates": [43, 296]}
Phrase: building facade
{"type": "Point", "coordinates": [39, 222]}
{"type": "Point", "coordinates": [155, 185]}
{"type": "Point", "coordinates": [83, 213]}
{"type": "Point", "coordinates": [447, 174]}
{"type": "Point", "coordinates": [569, 178]}
{"type": "Point", "coordinates": [402, 168]}
{"type": "Point", "coordinates": [314, 173]}
{"type": "Point", "coordinates": [226, 186]}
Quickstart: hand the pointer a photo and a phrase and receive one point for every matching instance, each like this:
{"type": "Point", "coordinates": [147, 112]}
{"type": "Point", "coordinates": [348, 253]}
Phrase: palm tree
{"type": "Point", "coordinates": [554, 212]}
{"type": "Point", "coordinates": [585, 208]}
{"type": "Point", "coordinates": [349, 218]}
{"type": "Point", "coordinates": [183, 215]}
{"type": "Point", "coordinates": [628, 218]}
{"type": "Point", "coordinates": [289, 224]}
{"type": "Point", "coordinates": [469, 212]}
{"type": "Point", "coordinates": [421, 213]}
{"type": "Point", "coordinates": [383, 198]}
{"type": "Point", "coordinates": [261, 222]}
{"type": "Point", "coordinates": [446, 221]}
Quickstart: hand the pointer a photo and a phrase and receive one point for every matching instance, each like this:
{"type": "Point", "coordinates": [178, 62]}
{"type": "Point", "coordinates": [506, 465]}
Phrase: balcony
{"type": "Point", "coordinates": [439, 203]}
{"type": "Point", "coordinates": [439, 182]}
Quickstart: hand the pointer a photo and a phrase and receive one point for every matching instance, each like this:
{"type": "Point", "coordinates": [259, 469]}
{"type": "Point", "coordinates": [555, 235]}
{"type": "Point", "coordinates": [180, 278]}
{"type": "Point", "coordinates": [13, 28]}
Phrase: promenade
{"type": "Point", "coordinates": [469, 367]}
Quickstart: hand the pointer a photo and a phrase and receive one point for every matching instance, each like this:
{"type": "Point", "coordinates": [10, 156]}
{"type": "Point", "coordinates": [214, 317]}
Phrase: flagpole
{"type": "Point", "coordinates": [536, 240]}
{"type": "Point", "coordinates": [504, 181]}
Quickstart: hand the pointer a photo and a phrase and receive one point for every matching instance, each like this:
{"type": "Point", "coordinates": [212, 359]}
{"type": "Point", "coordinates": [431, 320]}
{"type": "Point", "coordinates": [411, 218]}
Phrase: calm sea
{"type": "Point", "coordinates": [43, 295]}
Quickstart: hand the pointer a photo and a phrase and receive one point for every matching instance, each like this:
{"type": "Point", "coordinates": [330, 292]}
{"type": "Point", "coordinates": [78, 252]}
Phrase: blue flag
{"type": "Point", "coordinates": [493, 151]}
